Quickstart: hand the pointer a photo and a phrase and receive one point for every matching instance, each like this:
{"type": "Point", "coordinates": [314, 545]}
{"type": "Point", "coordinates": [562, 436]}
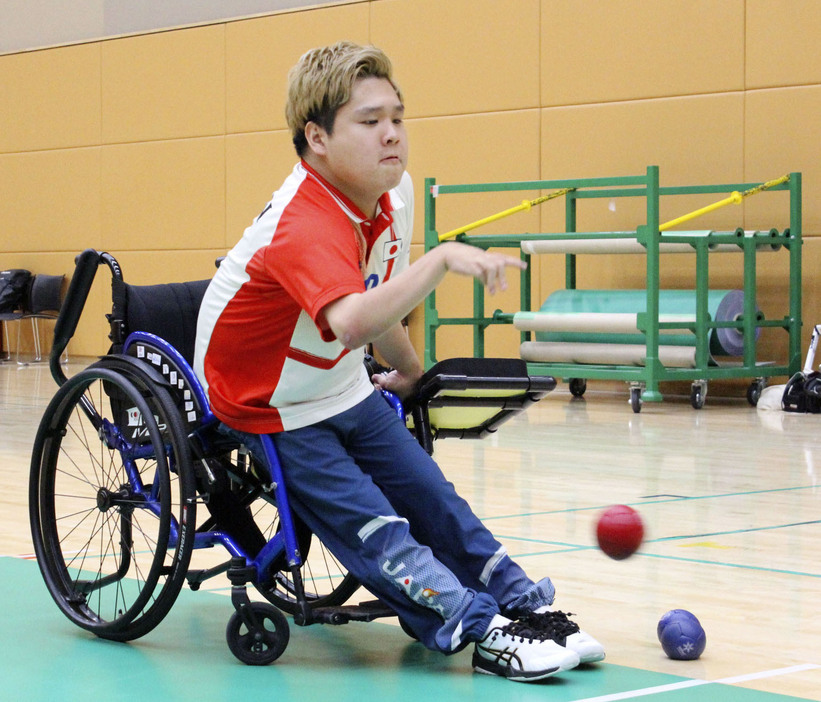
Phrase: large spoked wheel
{"type": "Point", "coordinates": [111, 502]}
{"type": "Point", "coordinates": [258, 634]}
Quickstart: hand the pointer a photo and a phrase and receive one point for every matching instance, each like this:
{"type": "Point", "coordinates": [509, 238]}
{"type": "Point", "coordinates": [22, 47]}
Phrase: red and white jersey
{"type": "Point", "coordinates": [260, 354]}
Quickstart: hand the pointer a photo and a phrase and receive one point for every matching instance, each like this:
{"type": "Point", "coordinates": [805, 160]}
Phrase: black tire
{"type": "Point", "coordinates": [697, 398]}
{"type": "Point", "coordinates": [754, 392]}
{"type": "Point", "coordinates": [635, 399]}
{"type": "Point", "coordinates": [264, 641]}
{"type": "Point", "coordinates": [111, 502]}
{"type": "Point", "coordinates": [578, 386]}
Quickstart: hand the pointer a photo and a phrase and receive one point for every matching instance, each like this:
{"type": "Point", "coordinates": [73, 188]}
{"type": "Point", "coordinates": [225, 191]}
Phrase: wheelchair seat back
{"type": "Point", "coordinates": [167, 310]}
{"type": "Point", "coordinates": [157, 325]}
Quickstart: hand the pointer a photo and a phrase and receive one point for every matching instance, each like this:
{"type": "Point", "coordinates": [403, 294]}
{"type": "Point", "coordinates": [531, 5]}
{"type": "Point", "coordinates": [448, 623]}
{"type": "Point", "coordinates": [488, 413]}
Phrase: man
{"type": "Point", "coordinates": [323, 271]}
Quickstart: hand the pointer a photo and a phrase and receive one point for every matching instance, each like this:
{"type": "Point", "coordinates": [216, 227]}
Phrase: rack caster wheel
{"type": "Point", "coordinates": [257, 634]}
{"type": "Point", "coordinates": [755, 390]}
{"type": "Point", "coordinates": [635, 399]}
{"type": "Point", "coordinates": [698, 393]}
{"type": "Point", "coordinates": [578, 386]}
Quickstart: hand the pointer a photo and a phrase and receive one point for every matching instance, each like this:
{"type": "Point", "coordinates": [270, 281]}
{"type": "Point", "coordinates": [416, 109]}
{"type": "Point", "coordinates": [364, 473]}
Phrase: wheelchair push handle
{"type": "Point", "coordinates": [85, 268]}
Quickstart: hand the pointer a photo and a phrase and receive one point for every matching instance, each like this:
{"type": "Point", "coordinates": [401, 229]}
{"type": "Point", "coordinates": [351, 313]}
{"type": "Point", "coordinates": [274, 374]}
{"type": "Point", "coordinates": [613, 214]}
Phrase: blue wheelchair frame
{"type": "Point", "coordinates": [284, 541]}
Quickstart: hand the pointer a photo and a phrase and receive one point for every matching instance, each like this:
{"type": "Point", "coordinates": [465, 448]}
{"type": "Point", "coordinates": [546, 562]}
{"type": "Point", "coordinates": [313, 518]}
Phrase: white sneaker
{"type": "Point", "coordinates": [556, 626]}
{"type": "Point", "coordinates": [515, 651]}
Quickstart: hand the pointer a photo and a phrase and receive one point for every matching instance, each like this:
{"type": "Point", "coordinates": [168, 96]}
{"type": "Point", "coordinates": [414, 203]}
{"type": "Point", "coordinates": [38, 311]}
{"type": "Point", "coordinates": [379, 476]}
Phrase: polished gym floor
{"type": "Point", "coordinates": [730, 497]}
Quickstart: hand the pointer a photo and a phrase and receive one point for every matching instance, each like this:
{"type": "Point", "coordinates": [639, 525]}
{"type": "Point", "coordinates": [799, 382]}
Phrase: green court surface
{"type": "Point", "coordinates": [46, 657]}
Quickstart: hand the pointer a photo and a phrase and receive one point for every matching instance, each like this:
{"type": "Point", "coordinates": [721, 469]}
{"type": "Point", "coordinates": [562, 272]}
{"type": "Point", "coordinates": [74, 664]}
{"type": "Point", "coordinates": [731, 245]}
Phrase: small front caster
{"type": "Point", "coordinates": [257, 633]}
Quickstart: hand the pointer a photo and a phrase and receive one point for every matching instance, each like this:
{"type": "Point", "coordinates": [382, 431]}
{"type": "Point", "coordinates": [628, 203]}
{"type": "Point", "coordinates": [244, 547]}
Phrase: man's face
{"type": "Point", "coordinates": [367, 152]}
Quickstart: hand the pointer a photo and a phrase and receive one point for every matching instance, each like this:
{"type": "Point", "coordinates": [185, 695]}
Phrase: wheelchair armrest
{"type": "Point", "coordinates": [471, 397]}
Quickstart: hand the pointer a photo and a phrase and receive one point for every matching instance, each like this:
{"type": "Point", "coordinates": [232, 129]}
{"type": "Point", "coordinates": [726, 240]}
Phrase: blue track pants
{"type": "Point", "coordinates": [379, 502]}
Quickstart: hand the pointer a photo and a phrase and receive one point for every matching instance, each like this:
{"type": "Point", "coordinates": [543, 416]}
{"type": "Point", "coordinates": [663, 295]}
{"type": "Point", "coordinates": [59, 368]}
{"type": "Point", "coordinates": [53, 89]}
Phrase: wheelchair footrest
{"type": "Point", "coordinates": [363, 612]}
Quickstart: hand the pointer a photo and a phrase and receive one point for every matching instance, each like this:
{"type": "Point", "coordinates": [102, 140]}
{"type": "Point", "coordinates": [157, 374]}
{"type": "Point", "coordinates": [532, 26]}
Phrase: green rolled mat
{"type": "Point", "coordinates": [722, 305]}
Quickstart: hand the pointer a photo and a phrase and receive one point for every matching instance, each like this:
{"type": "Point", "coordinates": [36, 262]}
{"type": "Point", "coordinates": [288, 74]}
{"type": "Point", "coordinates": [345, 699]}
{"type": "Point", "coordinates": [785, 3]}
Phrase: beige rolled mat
{"type": "Point", "coordinates": [604, 354]}
{"type": "Point", "coordinates": [626, 243]}
{"type": "Point", "coordinates": [596, 322]}
{"type": "Point", "coordinates": [601, 327]}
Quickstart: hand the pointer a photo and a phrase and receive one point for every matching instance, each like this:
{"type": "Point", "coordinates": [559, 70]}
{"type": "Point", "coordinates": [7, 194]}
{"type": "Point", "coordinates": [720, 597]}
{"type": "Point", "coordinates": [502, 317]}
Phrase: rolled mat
{"type": "Point", "coordinates": [605, 354]}
{"type": "Point", "coordinates": [596, 326]}
{"type": "Point", "coordinates": [627, 242]}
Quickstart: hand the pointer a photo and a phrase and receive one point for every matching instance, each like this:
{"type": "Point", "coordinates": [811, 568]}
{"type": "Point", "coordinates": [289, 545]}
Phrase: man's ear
{"type": "Point", "coordinates": [316, 136]}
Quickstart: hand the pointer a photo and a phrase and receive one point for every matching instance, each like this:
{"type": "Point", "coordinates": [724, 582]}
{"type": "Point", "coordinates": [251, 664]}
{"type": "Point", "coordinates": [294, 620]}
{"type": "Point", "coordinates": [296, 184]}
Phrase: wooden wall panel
{"type": "Point", "coordinates": [51, 200]}
{"type": "Point", "coordinates": [600, 50]}
{"type": "Point", "coordinates": [259, 53]}
{"type": "Point", "coordinates": [461, 56]}
{"type": "Point", "coordinates": [164, 86]}
{"type": "Point", "coordinates": [782, 41]}
{"type": "Point", "coordinates": [782, 135]}
{"type": "Point", "coordinates": [164, 195]}
{"type": "Point", "coordinates": [51, 99]}
{"type": "Point", "coordinates": [693, 140]}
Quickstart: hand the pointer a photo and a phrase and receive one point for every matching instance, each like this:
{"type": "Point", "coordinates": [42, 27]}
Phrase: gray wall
{"type": "Point", "coordinates": [32, 24]}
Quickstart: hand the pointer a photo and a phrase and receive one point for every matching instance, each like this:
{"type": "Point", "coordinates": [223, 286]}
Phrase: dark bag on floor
{"type": "Point", "coordinates": [802, 393]}
{"type": "Point", "coordinates": [13, 284]}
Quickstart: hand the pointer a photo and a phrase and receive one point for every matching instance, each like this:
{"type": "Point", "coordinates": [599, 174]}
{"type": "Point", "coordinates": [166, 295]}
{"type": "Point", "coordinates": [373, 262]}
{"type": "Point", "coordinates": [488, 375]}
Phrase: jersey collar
{"type": "Point", "coordinates": [388, 201]}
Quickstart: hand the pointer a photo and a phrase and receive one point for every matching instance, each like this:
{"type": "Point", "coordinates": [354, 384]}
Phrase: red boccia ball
{"type": "Point", "coordinates": [619, 531]}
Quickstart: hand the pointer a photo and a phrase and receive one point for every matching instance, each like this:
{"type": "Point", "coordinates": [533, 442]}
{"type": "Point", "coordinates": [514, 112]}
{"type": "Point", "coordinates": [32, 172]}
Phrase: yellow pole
{"type": "Point", "coordinates": [526, 205]}
{"type": "Point", "coordinates": [734, 199]}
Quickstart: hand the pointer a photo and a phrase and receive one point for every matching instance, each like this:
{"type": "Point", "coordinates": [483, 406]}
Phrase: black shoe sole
{"type": "Point", "coordinates": [488, 667]}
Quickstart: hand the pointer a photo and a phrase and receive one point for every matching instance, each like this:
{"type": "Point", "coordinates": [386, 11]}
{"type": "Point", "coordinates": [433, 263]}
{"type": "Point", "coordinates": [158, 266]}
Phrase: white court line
{"type": "Point", "coordinates": [767, 674]}
{"type": "Point", "coordinates": [630, 694]}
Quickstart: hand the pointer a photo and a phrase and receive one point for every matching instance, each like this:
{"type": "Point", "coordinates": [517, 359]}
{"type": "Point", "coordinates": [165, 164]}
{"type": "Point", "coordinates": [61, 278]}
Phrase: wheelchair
{"type": "Point", "coordinates": [130, 473]}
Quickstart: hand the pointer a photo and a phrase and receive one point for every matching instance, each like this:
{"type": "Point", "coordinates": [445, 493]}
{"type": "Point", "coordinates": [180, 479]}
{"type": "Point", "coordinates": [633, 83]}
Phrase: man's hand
{"type": "Point", "coordinates": [400, 385]}
{"type": "Point", "coordinates": [489, 268]}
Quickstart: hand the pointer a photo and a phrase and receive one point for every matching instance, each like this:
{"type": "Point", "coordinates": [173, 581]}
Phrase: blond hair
{"type": "Point", "coordinates": [322, 80]}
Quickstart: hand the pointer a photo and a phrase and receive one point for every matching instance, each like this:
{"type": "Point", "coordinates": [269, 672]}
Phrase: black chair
{"type": "Point", "coordinates": [14, 284]}
{"type": "Point", "coordinates": [42, 300]}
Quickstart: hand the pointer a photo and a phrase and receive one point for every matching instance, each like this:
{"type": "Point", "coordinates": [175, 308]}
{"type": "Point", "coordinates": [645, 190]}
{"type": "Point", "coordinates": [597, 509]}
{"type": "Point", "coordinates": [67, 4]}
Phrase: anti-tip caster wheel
{"type": "Point", "coordinates": [257, 634]}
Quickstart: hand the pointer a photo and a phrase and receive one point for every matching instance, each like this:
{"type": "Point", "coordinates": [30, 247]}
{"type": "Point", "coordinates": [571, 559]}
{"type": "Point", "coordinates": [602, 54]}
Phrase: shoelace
{"type": "Point", "coordinates": [523, 631]}
{"type": "Point", "coordinates": [554, 625]}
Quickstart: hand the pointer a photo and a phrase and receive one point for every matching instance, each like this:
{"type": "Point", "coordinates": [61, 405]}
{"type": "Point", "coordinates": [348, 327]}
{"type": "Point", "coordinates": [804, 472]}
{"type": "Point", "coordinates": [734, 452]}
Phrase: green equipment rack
{"type": "Point", "coordinates": [643, 379]}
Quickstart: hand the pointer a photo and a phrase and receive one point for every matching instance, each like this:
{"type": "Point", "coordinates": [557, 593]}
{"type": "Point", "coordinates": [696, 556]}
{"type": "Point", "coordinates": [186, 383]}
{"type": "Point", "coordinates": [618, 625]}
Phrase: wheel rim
{"type": "Point", "coordinates": [112, 553]}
